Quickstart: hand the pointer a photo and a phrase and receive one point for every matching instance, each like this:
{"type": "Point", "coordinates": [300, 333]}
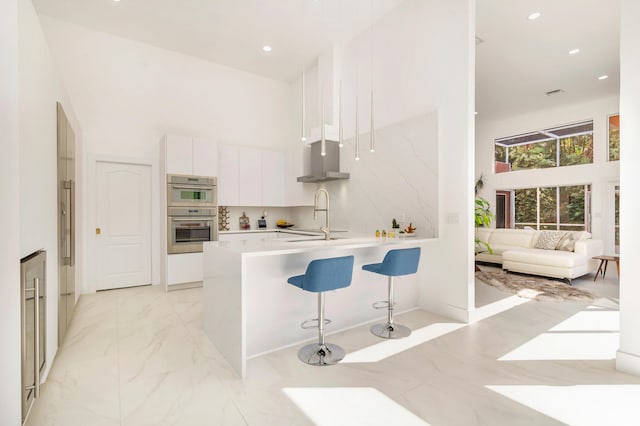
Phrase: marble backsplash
{"type": "Point", "coordinates": [399, 180]}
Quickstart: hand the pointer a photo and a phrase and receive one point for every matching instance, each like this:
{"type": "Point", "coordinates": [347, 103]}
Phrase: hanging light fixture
{"type": "Point", "coordinates": [372, 147]}
{"type": "Point", "coordinates": [340, 136]}
{"type": "Point", "coordinates": [323, 142]}
{"type": "Point", "coordinates": [357, 138]}
{"type": "Point", "coordinates": [303, 136]}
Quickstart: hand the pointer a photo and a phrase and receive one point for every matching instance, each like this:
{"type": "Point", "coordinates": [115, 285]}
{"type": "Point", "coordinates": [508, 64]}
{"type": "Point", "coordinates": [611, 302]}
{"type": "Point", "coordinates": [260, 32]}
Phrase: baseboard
{"type": "Point", "coordinates": [628, 363]}
{"type": "Point", "coordinates": [448, 311]}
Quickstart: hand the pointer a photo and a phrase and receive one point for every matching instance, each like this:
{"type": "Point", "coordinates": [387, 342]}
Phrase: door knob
{"type": "Point", "coordinates": [98, 230]}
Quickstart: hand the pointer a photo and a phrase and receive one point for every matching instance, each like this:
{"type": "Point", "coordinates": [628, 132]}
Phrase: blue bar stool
{"type": "Point", "coordinates": [323, 275]}
{"type": "Point", "coordinates": [395, 263]}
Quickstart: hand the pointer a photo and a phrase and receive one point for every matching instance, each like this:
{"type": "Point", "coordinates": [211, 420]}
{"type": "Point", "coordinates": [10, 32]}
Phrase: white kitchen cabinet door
{"type": "Point", "coordinates": [273, 173]}
{"type": "Point", "coordinates": [228, 168]}
{"type": "Point", "coordinates": [205, 157]}
{"type": "Point", "coordinates": [249, 177]}
{"type": "Point", "coordinates": [185, 268]}
{"type": "Point", "coordinates": [179, 154]}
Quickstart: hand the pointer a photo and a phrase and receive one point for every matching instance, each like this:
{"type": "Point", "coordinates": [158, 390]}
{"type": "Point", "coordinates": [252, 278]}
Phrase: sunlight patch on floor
{"type": "Point", "coordinates": [387, 348]}
{"type": "Point", "coordinates": [351, 406]}
{"type": "Point", "coordinates": [591, 320]}
{"type": "Point", "coordinates": [580, 404]}
{"type": "Point", "coordinates": [587, 335]}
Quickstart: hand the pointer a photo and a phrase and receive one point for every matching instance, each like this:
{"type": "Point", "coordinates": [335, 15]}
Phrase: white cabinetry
{"type": "Point", "coordinates": [185, 155]}
{"type": "Point", "coordinates": [273, 182]}
{"type": "Point", "coordinates": [250, 177]}
{"type": "Point", "coordinates": [184, 268]}
{"type": "Point", "coordinates": [228, 175]}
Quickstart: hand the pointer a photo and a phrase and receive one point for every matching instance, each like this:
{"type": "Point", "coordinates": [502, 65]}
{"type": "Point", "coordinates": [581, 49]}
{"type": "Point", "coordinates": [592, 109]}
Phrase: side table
{"type": "Point", "coordinates": [604, 261]}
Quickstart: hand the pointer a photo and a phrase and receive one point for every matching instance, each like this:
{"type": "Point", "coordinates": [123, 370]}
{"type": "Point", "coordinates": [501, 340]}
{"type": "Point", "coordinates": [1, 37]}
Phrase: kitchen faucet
{"type": "Point", "coordinates": [324, 229]}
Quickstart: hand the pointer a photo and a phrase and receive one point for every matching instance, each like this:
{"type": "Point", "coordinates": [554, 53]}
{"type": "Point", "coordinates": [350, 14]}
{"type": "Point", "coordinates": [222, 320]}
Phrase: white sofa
{"type": "Point", "coordinates": [514, 249]}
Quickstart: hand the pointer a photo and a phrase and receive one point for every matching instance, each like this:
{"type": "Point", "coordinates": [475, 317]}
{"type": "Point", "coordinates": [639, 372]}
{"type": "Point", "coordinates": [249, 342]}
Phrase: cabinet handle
{"type": "Point", "coordinates": [36, 328]}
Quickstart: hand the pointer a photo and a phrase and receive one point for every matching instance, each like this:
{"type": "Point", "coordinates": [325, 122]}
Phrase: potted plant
{"type": "Point", "coordinates": [483, 217]}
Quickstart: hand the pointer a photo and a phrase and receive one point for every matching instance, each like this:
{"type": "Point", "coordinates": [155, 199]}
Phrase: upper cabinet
{"type": "Point", "coordinates": [228, 175]}
{"type": "Point", "coordinates": [250, 177]}
{"type": "Point", "coordinates": [273, 178]}
{"type": "Point", "coordinates": [185, 155]}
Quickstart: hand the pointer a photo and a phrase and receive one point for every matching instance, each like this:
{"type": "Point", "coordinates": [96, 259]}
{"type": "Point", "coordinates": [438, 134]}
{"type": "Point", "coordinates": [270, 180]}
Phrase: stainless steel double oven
{"type": "Point", "coordinates": [192, 209]}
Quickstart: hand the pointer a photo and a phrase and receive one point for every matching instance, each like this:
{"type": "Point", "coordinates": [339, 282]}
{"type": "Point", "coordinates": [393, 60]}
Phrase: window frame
{"type": "Point", "coordinates": [550, 137]}
{"type": "Point", "coordinates": [558, 224]}
{"type": "Point", "coordinates": [609, 160]}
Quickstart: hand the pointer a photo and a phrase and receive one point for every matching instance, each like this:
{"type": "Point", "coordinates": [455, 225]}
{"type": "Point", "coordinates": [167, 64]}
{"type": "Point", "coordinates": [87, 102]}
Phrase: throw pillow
{"type": "Point", "coordinates": [566, 243]}
{"type": "Point", "coordinates": [548, 240]}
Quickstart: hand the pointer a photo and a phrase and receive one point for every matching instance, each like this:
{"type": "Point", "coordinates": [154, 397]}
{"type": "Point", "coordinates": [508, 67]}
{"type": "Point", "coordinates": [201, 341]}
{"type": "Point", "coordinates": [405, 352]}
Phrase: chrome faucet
{"type": "Point", "coordinates": [324, 229]}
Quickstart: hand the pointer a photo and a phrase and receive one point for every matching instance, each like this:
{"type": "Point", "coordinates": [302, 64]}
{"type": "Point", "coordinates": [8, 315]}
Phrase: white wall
{"type": "Point", "coordinates": [9, 214]}
{"type": "Point", "coordinates": [601, 174]}
{"type": "Point", "coordinates": [128, 94]}
{"type": "Point", "coordinates": [414, 74]}
{"type": "Point", "coordinates": [628, 356]}
{"type": "Point", "coordinates": [38, 158]}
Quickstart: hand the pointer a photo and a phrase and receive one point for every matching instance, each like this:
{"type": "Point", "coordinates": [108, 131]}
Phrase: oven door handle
{"type": "Point", "coordinates": [200, 187]}
{"type": "Point", "coordinates": [194, 219]}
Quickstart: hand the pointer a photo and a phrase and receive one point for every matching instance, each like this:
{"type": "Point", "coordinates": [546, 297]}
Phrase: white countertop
{"type": "Point", "coordinates": [290, 230]}
{"type": "Point", "coordinates": [268, 247]}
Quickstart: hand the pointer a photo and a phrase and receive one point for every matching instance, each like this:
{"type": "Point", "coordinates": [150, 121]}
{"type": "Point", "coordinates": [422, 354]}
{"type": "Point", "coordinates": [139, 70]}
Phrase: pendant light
{"type": "Point", "coordinates": [340, 135]}
{"type": "Point", "coordinates": [323, 142]}
{"type": "Point", "coordinates": [372, 147]}
{"type": "Point", "coordinates": [357, 138]}
{"type": "Point", "coordinates": [303, 136]}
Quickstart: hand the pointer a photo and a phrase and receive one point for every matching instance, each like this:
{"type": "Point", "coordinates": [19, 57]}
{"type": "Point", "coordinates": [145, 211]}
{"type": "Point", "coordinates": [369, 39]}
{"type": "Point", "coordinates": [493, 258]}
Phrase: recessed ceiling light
{"type": "Point", "coordinates": [116, 0]}
{"type": "Point", "coordinates": [574, 51]}
{"type": "Point", "coordinates": [534, 15]}
{"type": "Point", "coordinates": [603, 77]}
{"type": "Point", "coordinates": [475, 113]}
{"type": "Point", "coordinates": [266, 48]}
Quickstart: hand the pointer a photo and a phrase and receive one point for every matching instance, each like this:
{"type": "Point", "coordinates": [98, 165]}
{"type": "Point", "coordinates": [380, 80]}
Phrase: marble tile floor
{"type": "Point", "coordinates": [139, 357]}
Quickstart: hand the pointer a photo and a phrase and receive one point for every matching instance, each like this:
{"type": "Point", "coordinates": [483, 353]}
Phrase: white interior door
{"type": "Point", "coordinates": [122, 249]}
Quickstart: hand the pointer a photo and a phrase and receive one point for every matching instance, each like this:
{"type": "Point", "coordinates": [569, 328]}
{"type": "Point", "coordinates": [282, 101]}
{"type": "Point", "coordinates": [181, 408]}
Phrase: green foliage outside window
{"type": "Point", "coordinates": [576, 150]}
{"type": "Point", "coordinates": [565, 212]}
{"type": "Point", "coordinates": [501, 153]}
{"type": "Point", "coordinates": [614, 138]}
{"type": "Point", "coordinates": [538, 155]}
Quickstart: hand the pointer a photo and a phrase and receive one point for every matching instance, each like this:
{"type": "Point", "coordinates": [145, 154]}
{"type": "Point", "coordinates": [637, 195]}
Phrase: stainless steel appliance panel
{"type": "Point", "coordinates": [188, 228]}
{"type": "Point", "coordinates": [66, 222]}
{"type": "Point", "coordinates": [33, 326]}
{"type": "Point", "coordinates": [186, 191]}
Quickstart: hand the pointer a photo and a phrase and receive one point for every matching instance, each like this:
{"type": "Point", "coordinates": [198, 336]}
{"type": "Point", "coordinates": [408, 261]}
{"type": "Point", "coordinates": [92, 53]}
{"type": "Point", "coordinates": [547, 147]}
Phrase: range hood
{"type": "Point", "coordinates": [324, 168]}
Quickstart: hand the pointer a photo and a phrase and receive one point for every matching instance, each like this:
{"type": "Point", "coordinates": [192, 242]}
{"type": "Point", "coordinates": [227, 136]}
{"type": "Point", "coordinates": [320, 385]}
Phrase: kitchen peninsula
{"type": "Point", "coordinates": [249, 309]}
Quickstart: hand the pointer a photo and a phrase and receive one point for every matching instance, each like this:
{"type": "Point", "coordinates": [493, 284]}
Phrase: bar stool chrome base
{"type": "Point", "coordinates": [321, 354]}
{"type": "Point", "coordinates": [390, 331]}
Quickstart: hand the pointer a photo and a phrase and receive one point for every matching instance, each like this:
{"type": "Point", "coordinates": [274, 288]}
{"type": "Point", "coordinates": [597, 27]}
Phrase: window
{"type": "Point", "coordinates": [614, 137]}
{"type": "Point", "coordinates": [555, 147]}
{"type": "Point", "coordinates": [557, 208]}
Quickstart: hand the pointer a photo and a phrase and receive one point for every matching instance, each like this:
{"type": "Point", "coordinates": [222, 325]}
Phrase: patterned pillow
{"type": "Point", "coordinates": [567, 242]}
{"type": "Point", "coordinates": [548, 240]}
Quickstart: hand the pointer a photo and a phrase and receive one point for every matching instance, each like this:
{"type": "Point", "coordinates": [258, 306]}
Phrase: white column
{"type": "Point", "coordinates": [628, 356]}
{"type": "Point", "coordinates": [10, 381]}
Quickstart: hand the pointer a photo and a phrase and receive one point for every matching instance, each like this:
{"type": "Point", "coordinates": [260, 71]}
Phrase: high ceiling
{"type": "Point", "coordinates": [520, 60]}
{"type": "Point", "coordinates": [516, 63]}
{"type": "Point", "coordinates": [229, 32]}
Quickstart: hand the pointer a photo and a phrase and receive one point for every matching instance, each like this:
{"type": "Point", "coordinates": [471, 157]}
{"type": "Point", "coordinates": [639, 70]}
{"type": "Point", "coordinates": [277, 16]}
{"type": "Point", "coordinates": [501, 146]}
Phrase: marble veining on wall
{"type": "Point", "coordinates": [399, 180]}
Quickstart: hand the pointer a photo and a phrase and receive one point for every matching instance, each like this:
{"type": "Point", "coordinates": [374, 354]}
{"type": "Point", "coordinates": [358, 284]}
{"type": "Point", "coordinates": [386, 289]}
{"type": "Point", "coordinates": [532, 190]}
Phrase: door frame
{"type": "Point", "coordinates": [90, 278]}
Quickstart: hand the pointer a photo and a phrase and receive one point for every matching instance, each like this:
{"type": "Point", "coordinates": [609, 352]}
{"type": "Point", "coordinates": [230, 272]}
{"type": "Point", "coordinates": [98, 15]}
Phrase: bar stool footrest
{"type": "Point", "coordinates": [383, 304]}
{"type": "Point", "coordinates": [314, 323]}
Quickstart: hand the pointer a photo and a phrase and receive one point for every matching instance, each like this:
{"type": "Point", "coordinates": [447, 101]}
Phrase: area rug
{"type": "Point", "coordinates": [535, 288]}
